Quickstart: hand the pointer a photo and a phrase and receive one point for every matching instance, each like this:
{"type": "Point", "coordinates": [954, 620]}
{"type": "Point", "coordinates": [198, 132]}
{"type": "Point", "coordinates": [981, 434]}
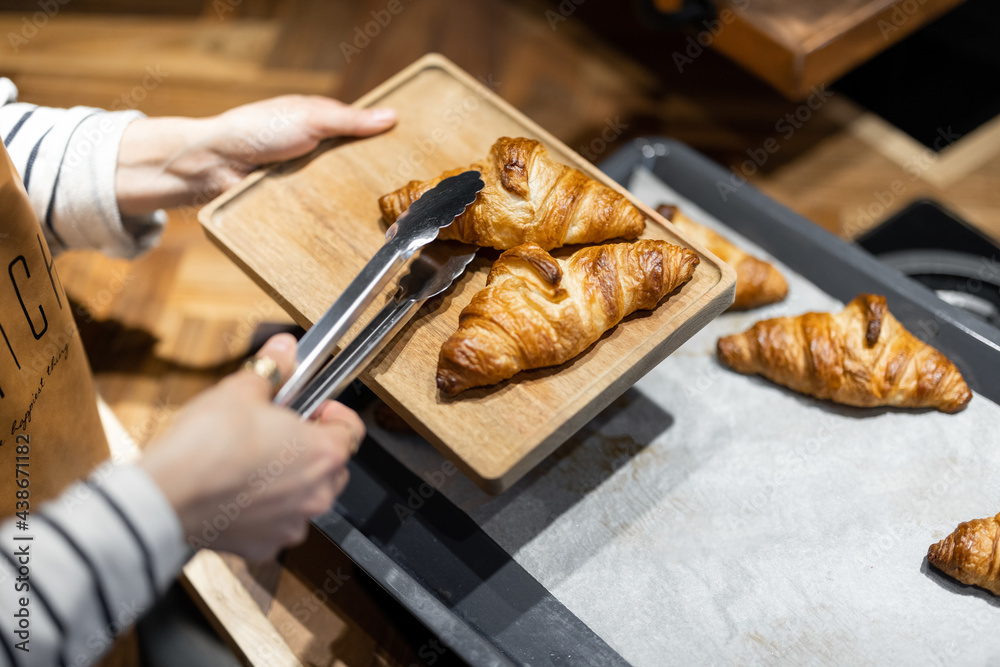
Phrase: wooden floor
{"type": "Point", "coordinates": [164, 327]}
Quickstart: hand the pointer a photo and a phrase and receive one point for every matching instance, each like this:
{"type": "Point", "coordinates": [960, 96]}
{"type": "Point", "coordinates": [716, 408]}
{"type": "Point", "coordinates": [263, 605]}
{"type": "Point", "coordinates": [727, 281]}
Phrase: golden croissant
{"type": "Point", "coordinates": [538, 311]}
{"type": "Point", "coordinates": [861, 356]}
{"type": "Point", "coordinates": [757, 282]}
{"type": "Point", "coordinates": [529, 198]}
{"type": "Point", "coordinates": [971, 554]}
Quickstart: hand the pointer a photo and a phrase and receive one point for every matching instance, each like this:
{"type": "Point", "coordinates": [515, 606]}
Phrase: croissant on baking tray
{"type": "Point", "coordinates": [537, 310]}
{"type": "Point", "coordinates": [861, 356]}
{"type": "Point", "coordinates": [971, 554]}
{"type": "Point", "coordinates": [529, 198]}
{"type": "Point", "coordinates": [757, 282]}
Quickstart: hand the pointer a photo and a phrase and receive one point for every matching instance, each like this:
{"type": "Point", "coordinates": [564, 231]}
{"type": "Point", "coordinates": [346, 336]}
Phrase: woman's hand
{"type": "Point", "coordinates": [167, 162]}
{"type": "Point", "coordinates": [245, 476]}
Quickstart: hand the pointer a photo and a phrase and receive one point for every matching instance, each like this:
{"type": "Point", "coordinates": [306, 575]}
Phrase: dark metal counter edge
{"type": "Point", "coordinates": [457, 636]}
{"type": "Point", "coordinates": [841, 269]}
{"type": "Point", "coordinates": [433, 559]}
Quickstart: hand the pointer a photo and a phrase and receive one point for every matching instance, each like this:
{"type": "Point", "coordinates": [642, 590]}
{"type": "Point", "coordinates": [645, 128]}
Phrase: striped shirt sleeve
{"type": "Point", "coordinates": [67, 160]}
{"type": "Point", "coordinates": [89, 565]}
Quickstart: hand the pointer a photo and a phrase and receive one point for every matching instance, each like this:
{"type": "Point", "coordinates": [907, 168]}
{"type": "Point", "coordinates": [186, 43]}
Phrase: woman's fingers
{"type": "Point", "coordinates": [331, 118]}
{"type": "Point", "coordinates": [326, 492]}
{"type": "Point", "coordinates": [340, 480]}
{"type": "Point", "coordinates": [333, 413]}
{"type": "Point", "coordinates": [285, 470]}
{"type": "Point", "coordinates": [281, 348]}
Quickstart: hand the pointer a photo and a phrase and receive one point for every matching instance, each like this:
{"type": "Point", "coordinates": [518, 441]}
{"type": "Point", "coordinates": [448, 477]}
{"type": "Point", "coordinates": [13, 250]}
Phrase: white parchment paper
{"type": "Point", "coordinates": [712, 518]}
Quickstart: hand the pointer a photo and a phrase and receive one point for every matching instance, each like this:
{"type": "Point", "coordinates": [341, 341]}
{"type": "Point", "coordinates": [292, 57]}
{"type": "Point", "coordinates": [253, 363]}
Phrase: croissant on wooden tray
{"type": "Point", "coordinates": [538, 311]}
{"type": "Point", "coordinates": [757, 282]}
{"type": "Point", "coordinates": [861, 356]}
{"type": "Point", "coordinates": [971, 554]}
{"type": "Point", "coordinates": [529, 198]}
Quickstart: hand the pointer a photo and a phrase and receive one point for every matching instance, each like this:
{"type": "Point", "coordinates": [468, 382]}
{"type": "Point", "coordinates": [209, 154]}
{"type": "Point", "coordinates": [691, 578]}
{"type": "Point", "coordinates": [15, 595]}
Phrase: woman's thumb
{"type": "Point", "coordinates": [273, 364]}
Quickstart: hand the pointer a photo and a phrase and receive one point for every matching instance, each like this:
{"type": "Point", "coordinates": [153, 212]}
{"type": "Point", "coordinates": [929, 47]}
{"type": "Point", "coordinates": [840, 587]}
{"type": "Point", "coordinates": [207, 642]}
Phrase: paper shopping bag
{"type": "Point", "coordinates": [50, 431]}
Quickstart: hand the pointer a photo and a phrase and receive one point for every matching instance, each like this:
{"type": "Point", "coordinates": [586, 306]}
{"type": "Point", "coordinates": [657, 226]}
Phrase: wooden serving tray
{"type": "Point", "coordinates": [304, 229]}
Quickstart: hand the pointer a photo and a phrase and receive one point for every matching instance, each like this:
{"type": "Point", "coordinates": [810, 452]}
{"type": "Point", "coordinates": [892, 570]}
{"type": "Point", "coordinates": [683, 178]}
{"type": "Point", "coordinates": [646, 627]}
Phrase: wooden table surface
{"type": "Point", "coordinates": [163, 327]}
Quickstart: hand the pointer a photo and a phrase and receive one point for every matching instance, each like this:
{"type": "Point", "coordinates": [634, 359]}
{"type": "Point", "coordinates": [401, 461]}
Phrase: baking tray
{"type": "Point", "coordinates": [439, 566]}
{"type": "Point", "coordinates": [943, 252]}
{"type": "Point", "coordinates": [716, 518]}
{"type": "Point", "coordinates": [303, 229]}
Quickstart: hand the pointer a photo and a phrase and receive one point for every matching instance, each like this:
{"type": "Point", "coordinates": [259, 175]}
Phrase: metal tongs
{"type": "Point", "coordinates": [437, 265]}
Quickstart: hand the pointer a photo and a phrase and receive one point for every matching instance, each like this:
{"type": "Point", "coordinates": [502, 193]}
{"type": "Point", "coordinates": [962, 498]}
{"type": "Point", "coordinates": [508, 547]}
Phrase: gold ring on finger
{"type": "Point", "coordinates": [267, 368]}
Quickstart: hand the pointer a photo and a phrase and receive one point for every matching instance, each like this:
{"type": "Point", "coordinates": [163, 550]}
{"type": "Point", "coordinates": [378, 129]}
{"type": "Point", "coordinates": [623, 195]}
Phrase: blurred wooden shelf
{"type": "Point", "coordinates": [795, 46]}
